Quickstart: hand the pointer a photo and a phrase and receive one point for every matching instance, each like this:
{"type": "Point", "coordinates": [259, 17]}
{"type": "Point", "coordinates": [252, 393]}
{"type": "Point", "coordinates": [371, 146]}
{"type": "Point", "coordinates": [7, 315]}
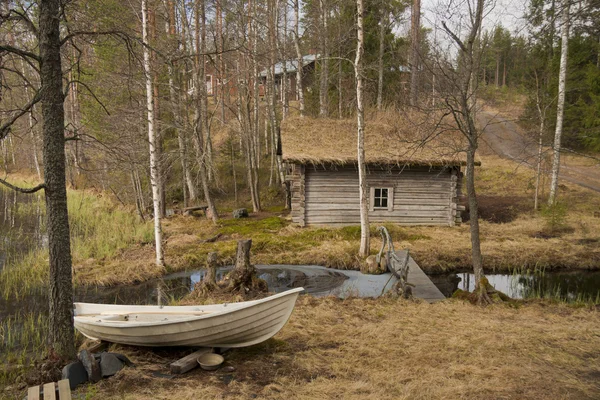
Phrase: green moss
{"type": "Point", "coordinates": [251, 226]}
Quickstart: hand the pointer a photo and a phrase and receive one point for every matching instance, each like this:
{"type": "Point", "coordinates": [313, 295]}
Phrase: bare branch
{"type": "Point", "coordinates": [21, 16]}
{"type": "Point", "coordinates": [23, 190]}
{"type": "Point", "coordinates": [19, 52]}
{"type": "Point", "coordinates": [89, 90]}
{"type": "Point", "coordinates": [5, 127]}
{"type": "Point", "coordinates": [454, 37]}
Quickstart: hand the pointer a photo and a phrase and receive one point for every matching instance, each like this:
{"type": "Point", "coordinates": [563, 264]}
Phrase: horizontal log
{"type": "Point", "coordinates": [397, 189]}
{"type": "Point", "coordinates": [387, 183]}
{"type": "Point", "coordinates": [383, 213]}
{"type": "Point", "coordinates": [372, 171]}
{"type": "Point", "coordinates": [406, 207]}
{"type": "Point", "coordinates": [337, 181]}
{"type": "Point", "coordinates": [341, 225]}
{"type": "Point", "coordinates": [423, 222]}
{"type": "Point", "coordinates": [405, 194]}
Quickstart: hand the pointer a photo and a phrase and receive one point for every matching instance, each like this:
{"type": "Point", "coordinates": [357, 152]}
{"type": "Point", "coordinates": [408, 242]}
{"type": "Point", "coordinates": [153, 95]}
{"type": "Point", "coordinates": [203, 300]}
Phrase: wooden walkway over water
{"type": "Point", "coordinates": [424, 287]}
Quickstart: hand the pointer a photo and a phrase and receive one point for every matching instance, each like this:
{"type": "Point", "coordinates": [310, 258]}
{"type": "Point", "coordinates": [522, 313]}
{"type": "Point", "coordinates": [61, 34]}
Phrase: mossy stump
{"type": "Point", "coordinates": [484, 294]}
{"type": "Point", "coordinates": [241, 280]}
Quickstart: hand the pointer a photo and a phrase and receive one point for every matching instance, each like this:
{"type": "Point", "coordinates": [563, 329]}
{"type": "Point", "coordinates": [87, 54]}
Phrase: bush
{"type": "Point", "coordinates": [555, 217]}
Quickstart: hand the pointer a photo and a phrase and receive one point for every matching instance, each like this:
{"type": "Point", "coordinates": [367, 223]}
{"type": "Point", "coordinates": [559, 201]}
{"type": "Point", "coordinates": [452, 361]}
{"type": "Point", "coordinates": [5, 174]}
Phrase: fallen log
{"type": "Point", "coordinates": [189, 210]}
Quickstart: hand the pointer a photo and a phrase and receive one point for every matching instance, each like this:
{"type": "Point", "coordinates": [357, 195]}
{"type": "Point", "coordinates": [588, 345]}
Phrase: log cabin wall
{"type": "Point", "coordinates": [328, 195]}
{"type": "Point", "coordinates": [296, 176]}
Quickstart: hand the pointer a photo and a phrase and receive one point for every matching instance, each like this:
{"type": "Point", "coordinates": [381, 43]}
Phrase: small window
{"type": "Point", "coordinates": [382, 198]}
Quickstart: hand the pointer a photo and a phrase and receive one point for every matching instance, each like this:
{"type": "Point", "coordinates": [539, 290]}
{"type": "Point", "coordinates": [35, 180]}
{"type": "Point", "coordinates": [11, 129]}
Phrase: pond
{"type": "Point", "coordinates": [22, 229]}
{"type": "Point", "coordinates": [567, 286]}
{"type": "Point", "coordinates": [317, 281]}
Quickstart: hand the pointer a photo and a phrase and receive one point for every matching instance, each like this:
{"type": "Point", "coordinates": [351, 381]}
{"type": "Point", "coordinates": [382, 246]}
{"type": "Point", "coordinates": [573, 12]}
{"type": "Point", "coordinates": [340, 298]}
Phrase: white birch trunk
{"type": "Point", "coordinates": [34, 149]}
{"type": "Point", "coordinates": [414, 57]}
{"type": "Point", "coordinates": [542, 118]}
{"type": "Point", "coordinates": [299, 88]}
{"type": "Point", "coordinates": [560, 108]}
{"type": "Point", "coordinates": [205, 164]}
{"type": "Point", "coordinates": [360, 111]}
{"type": "Point", "coordinates": [324, 76]}
{"type": "Point", "coordinates": [284, 80]}
{"type": "Point", "coordinates": [154, 171]}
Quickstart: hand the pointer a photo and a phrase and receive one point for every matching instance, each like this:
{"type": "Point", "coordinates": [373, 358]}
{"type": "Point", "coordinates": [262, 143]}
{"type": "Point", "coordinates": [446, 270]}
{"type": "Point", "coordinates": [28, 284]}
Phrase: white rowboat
{"type": "Point", "coordinates": [219, 325]}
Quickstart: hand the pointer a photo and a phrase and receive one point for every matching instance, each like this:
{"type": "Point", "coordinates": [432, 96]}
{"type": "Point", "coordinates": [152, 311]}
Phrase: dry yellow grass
{"type": "Point", "coordinates": [505, 246]}
{"type": "Point", "coordinates": [388, 349]}
{"type": "Point", "coordinates": [389, 138]}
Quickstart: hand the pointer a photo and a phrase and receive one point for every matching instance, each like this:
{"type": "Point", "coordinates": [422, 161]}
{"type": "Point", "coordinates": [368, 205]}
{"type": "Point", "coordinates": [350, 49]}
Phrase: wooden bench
{"type": "Point", "coordinates": [64, 391]}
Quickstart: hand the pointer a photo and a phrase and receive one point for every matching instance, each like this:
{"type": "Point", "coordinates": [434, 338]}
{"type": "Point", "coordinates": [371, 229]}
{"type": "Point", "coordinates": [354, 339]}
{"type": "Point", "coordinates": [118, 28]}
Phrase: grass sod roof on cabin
{"type": "Point", "coordinates": [331, 141]}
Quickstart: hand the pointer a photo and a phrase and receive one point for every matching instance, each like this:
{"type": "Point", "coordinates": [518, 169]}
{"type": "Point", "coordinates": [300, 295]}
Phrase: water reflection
{"type": "Point", "coordinates": [316, 281]}
{"type": "Point", "coordinates": [279, 278]}
{"type": "Point", "coordinates": [569, 286]}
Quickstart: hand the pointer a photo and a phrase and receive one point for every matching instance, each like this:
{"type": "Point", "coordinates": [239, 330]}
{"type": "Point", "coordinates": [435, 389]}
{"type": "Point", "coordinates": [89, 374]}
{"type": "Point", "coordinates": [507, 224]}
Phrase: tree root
{"type": "Point", "coordinates": [484, 294]}
{"type": "Point", "coordinates": [243, 280]}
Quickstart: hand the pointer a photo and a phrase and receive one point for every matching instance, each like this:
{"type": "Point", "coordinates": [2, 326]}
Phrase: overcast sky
{"type": "Point", "coordinates": [508, 13]}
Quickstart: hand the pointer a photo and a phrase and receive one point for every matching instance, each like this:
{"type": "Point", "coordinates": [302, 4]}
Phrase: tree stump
{"type": "Point", "coordinates": [243, 277]}
{"type": "Point", "coordinates": [211, 272]}
{"type": "Point", "coordinates": [209, 283]}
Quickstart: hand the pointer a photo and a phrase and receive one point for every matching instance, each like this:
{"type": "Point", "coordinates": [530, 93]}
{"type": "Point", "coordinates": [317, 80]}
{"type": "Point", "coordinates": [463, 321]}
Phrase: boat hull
{"type": "Point", "coordinates": [223, 325]}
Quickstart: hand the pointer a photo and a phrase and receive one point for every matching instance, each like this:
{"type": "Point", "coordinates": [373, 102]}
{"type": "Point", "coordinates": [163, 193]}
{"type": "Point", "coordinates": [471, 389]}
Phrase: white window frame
{"type": "Point", "coordinates": [390, 198]}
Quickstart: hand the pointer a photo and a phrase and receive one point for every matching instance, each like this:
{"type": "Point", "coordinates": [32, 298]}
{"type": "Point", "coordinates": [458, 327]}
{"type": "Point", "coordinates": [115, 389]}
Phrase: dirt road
{"type": "Point", "coordinates": [506, 139]}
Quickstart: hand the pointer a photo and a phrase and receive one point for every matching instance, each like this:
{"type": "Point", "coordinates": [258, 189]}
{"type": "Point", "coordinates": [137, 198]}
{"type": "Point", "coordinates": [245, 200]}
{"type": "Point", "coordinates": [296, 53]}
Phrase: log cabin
{"type": "Point", "coordinates": [412, 178]}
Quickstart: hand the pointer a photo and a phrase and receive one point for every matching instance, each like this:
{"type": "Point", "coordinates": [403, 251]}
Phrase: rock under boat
{"type": "Point", "coordinates": [219, 325]}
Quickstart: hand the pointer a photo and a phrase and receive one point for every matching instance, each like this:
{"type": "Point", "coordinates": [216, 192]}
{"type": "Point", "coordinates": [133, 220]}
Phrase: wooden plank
{"type": "Point", "coordinates": [378, 172]}
{"type": "Point", "coordinates": [188, 362]}
{"type": "Point", "coordinates": [398, 208]}
{"type": "Point", "coordinates": [49, 391]}
{"type": "Point", "coordinates": [383, 213]}
{"type": "Point", "coordinates": [421, 187]}
{"type": "Point", "coordinates": [64, 390]}
{"type": "Point", "coordinates": [425, 202]}
{"type": "Point", "coordinates": [33, 393]}
{"type": "Point", "coordinates": [385, 183]}
{"type": "Point", "coordinates": [356, 221]}
{"type": "Point", "coordinates": [343, 224]}
{"type": "Point", "coordinates": [424, 287]}
{"type": "Point", "coordinates": [98, 347]}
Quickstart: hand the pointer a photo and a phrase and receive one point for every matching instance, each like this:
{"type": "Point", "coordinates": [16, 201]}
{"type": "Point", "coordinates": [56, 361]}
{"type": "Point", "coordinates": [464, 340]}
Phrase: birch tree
{"type": "Point", "coordinates": [415, 30]}
{"type": "Point", "coordinates": [299, 61]}
{"type": "Point", "coordinates": [460, 103]}
{"type": "Point", "coordinates": [360, 116]}
{"type": "Point", "coordinates": [324, 75]}
{"type": "Point", "coordinates": [152, 139]}
{"type": "Point", "coordinates": [560, 107]}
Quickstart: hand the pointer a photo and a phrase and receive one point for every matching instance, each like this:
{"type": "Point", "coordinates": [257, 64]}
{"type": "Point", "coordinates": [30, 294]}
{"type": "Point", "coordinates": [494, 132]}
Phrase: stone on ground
{"type": "Point", "coordinates": [240, 213]}
{"type": "Point", "coordinates": [91, 365]}
{"type": "Point", "coordinates": [110, 364]}
{"type": "Point", "coordinates": [75, 373]}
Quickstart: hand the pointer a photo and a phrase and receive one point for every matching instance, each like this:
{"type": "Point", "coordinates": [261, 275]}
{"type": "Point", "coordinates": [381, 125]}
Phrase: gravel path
{"type": "Point", "coordinates": [505, 138]}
